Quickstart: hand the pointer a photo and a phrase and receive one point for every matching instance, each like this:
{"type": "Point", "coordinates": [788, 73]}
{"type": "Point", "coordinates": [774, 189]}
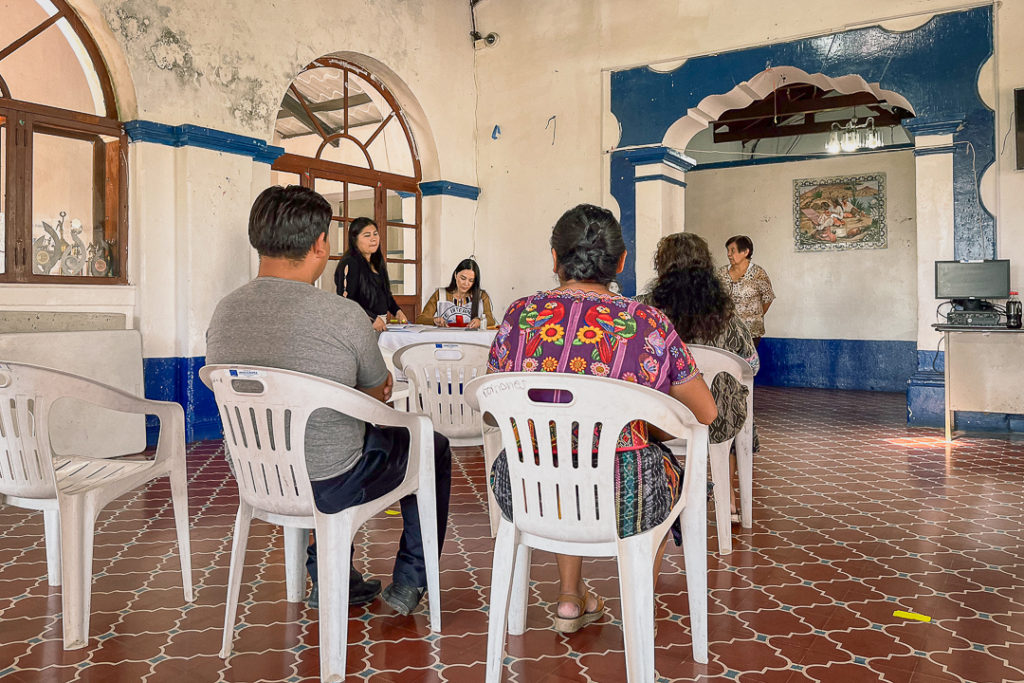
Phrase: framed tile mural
{"type": "Point", "coordinates": [843, 212]}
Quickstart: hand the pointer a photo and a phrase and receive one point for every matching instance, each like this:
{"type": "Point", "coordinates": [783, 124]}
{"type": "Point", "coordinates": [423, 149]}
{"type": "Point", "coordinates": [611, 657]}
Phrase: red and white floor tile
{"type": "Point", "coordinates": [855, 516]}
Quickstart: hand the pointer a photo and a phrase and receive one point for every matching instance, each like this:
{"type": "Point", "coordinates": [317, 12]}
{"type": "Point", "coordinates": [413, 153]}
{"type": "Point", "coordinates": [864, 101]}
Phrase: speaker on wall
{"type": "Point", "coordinates": [1018, 117]}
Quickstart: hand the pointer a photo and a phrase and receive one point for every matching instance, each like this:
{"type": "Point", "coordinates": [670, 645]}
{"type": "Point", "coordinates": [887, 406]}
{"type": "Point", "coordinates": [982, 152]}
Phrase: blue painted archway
{"type": "Point", "coordinates": [934, 66]}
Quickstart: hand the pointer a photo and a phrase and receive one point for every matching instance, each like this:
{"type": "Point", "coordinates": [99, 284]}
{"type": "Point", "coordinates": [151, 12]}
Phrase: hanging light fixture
{"type": "Point", "coordinates": [851, 136]}
{"type": "Point", "coordinates": [832, 146]}
{"type": "Point", "coordinates": [872, 136]}
{"type": "Point", "coordinates": [849, 141]}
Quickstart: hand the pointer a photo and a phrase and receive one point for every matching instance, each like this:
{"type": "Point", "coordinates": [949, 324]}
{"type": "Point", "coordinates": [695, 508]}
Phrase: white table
{"type": "Point", "coordinates": [397, 336]}
{"type": "Point", "coordinates": [983, 371]}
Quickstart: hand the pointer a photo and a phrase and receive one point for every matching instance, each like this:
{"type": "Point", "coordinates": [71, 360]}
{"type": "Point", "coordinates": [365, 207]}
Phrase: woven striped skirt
{"type": "Point", "coordinates": [648, 483]}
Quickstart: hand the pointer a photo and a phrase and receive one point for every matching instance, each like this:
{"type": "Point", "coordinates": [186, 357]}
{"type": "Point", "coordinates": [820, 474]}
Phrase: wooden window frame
{"type": "Point", "coordinates": [309, 169]}
{"type": "Point", "coordinates": [110, 173]}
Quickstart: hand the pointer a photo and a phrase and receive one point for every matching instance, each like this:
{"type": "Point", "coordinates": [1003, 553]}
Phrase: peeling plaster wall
{"type": "Point", "coordinates": [226, 66]}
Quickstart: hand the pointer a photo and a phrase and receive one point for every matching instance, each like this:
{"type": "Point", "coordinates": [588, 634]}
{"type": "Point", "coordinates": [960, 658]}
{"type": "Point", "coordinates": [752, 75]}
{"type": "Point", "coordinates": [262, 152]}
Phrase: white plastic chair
{"type": "Point", "coordinates": [71, 490]}
{"type": "Point", "coordinates": [570, 508]}
{"type": "Point", "coordinates": [438, 374]}
{"type": "Point", "coordinates": [712, 361]}
{"type": "Point", "coordinates": [264, 413]}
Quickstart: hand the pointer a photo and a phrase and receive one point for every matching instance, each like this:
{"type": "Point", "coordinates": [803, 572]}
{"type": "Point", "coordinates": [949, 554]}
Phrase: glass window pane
{"type": "Point", "coordinates": [401, 243]}
{"type": "Point", "coordinates": [53, 68]}
{"type": "Point", "coordinates": [345, 151]}
{"type": "Point", "coordinates": [401, 207]}
{"type": "Point", "coordinates": [390, 150]}
{"type": "Point", "coordinates": [73, 232]}
{"type": "Point", "coordinates": [360, 201]}
{"type": "Point", "coordinates": [403, 278]}
{"type": "Point", "coordinates": [3, 195]}
{"type": "Point", "coordinates": [338, 237]}
{"type": "Point", "coordinates": [334, 192]}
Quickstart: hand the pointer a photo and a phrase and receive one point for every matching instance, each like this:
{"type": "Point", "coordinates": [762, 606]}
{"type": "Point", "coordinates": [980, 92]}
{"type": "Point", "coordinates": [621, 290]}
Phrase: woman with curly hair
{"type": "Point", "coordinates": [694, 298]}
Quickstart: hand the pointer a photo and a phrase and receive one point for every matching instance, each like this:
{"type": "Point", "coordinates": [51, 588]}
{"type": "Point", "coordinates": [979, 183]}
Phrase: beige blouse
{"type": "Point", "coordinates": [751, 293]}
{"type": "Point", "coordinates": [440, 305]}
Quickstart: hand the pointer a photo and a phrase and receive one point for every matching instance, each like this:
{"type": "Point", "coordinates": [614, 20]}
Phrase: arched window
{"type": "Point", "coordinates": [346, 136]}
{"type": "Point", "coordinates": [63, 173]}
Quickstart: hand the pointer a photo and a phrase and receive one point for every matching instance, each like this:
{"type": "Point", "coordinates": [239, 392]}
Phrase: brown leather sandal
{"type": "Point", "coordinates": [573, 624]}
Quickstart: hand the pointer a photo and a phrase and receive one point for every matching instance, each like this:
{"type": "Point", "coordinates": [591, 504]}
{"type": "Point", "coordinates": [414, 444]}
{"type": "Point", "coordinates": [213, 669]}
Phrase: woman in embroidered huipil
{"type": "Point", "coordinates": [582, 327]}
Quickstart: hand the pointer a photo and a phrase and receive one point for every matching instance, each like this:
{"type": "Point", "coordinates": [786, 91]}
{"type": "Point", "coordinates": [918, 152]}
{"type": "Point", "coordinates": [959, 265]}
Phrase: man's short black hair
{"type": "Point", "coordinates": [285, 221]}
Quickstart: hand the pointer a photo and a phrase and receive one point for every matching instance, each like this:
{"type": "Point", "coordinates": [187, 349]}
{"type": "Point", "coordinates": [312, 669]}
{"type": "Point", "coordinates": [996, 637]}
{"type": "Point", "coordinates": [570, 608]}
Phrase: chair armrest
{"type": "Point", "coordinates": [170, 414]}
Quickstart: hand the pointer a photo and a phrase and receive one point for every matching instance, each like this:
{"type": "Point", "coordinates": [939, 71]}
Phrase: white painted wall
{"type": "Point", "coordinates": [856, 294]}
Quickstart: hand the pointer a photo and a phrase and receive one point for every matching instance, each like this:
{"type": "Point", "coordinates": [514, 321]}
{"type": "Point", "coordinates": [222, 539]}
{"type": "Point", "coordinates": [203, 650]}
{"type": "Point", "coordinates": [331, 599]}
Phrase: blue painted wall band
{"type": "Point", "coordinates": [448, 188]}
{"type": "Point", "coordinates": [177, 379]}
{"type": "Point", "coordinates": [188, 135]}
{"type": "Point", "coordinates": [663, 178]}
{"type": "Point", "coordinates": [866, 365]}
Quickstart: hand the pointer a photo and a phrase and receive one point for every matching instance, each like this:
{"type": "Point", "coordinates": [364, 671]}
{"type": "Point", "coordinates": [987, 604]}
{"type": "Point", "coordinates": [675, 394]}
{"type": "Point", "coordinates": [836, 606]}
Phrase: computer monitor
{"type": "Point", "coordinates": [964, 280]}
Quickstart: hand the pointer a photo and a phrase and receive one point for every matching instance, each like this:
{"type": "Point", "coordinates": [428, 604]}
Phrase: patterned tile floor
{"type": "Point", "coordinates": [855, 516]}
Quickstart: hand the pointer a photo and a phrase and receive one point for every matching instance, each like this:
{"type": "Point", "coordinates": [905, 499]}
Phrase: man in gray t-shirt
{"type": "Point", "coordinates": [281, 320]}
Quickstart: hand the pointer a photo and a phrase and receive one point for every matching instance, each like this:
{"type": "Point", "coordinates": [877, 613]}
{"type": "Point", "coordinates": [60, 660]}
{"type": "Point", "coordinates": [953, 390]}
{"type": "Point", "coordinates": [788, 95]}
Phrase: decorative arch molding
{"type": "Point", "coordinates": [709, 109]}
{"type": "Point", "coordinates": [934, 66]}
{"type": "Point", "coordinates": [112, 54]}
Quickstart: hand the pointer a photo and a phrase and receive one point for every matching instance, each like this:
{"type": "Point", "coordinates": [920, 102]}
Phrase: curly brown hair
{"type": "Point", "coordinates": [687, 289]}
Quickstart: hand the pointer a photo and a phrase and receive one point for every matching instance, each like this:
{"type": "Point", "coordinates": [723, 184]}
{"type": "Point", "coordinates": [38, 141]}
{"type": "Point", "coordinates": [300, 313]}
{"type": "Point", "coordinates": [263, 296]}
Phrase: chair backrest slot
{"type": "Point", "coordinates": [266, 482]}
{"type": "Point", "coordinates": [280, 482]}
{"type": "Point", "coordinates": [518, 437]}
{"type": "Point", "coordinates": [15, 427]}
{"type": "Point", "coordinates": [241, 427]}
{"type": "Point", "coordinates": [38, 463]}
{"type": "Point", "coordinates": [225, 415]}
{"type": "Point", "coordinates": [288, 429]}
{"type": "Point", "coordinates": [255, 428]}
{"type": "Point", "coordinates": [270, 429]}
{"type": "Point", "coordinates": [294, 488]}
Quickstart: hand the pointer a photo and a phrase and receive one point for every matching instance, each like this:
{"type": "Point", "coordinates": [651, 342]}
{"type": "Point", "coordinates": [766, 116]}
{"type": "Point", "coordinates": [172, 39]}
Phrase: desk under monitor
{"type": "Point", "coordinates": [984, 370]}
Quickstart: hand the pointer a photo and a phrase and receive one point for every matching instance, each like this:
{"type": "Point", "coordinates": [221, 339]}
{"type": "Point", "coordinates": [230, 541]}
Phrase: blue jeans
{"type": "Point", "coordinates": [380, 470]}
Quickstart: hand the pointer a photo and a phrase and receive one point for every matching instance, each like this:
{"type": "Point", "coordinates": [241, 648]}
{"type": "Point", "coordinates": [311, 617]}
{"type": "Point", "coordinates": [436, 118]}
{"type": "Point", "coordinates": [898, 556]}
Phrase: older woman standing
{"type": "Point", "coordinates": [583, 327]}
{"type": "Point", "coordinates": [748, 283]}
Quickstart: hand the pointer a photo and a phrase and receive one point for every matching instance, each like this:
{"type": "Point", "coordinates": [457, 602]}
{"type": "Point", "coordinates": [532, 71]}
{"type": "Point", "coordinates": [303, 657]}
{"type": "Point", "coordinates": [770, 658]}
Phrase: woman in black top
{"type": "Point", "coordinates": [362, 277]}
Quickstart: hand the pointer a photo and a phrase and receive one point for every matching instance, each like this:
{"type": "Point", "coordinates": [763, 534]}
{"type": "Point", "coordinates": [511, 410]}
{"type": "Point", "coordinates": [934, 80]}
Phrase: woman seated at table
{"type": "Point", "coordinates": [362, 276]}
{"type": "Point", "coordinates": [462, 303]}
{"type": "Point", "coordinates": [702, 311]}
{"type": "Point", "coordinates": [582, 327]}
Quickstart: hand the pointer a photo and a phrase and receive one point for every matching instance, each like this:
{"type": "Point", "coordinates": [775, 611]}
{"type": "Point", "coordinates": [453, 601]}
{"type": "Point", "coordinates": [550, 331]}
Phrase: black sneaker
{"type": "Point", "coordinates": [361, 593]}
{"type": "Point", "coordinates": [401, 598]}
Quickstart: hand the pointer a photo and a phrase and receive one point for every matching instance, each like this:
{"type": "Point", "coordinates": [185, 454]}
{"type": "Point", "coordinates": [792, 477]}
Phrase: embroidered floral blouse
{"type": "Point", "coordinates": [593, 334]}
